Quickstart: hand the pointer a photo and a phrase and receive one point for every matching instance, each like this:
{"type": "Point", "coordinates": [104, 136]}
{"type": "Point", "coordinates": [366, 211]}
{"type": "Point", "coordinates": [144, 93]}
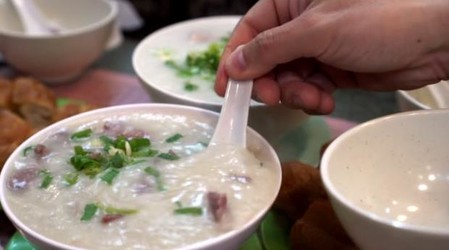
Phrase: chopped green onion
{"type": "Point", "coordinates": [81, 162]}
{"type": "Point", "coordinates": [202, 64]}
{"type": "Point", "coordinates": [116, 161]}
{"type": "Point", "coordinates": [71, 178]}
{"type": "Point", "coordinates": [152, 171]}
{"type": "Point", "coordinates": [194, 211]}
{"type": "Point", "coordinates": [79, 150]}
{"type": "Point", "coordinates": [140, 147]}
{"type": "Point", "coordinates": [89, 211]}
{"type": "Point", "coordinates": [47, 178]}
{"type": "Point", "coordinates": [157, 176]}
{"type": "Point", "coordinates": [92, 169]}
{"type": "Point", "coordinates": [135, 162]}
{"type": "Point", "coordinates": [170, 63]}
{"type": "Point", "coordinates": [189, 86]}
{"type": "Point", "coordinates": [81, 134]}
{"type": "Point", "coordinates": [121, 211]}
{"type": "Point", "coordinates": [107, 142]}
{"type": "Point", "coordinates": [145, 152]}
{"type": "Point", "coordinates": [174, 138]}
{"type": "Point", "coordinates": [110, 175]}
{"type": "Point", "coordinates": [139, 143]}
{"type": "Point", "coordinates": [120, 142]}
{"type": "Point", "coordinates": [27, 150]}
{"type": "Point", "coordinates": [168, 156]}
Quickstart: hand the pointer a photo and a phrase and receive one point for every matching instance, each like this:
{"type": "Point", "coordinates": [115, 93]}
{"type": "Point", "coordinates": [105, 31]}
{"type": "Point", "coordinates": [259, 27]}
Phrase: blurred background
{"type": "Point", "coordinates": [138, 18]}
{"type": "Point", "coordinates": [158, 13]}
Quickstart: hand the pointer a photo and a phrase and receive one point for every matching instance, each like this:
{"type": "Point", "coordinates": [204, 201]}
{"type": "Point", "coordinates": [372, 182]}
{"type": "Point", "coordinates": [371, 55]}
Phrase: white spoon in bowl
{"type": "Point", "coordinates": [33, 21]}
{"type": "Point", "coordinates": [233, 120]}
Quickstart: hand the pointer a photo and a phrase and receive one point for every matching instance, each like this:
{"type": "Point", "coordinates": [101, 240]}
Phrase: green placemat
{"type": "Point", "coordinates": [18, 242]}
{"type": "Point", "coordinates": [304, 142]}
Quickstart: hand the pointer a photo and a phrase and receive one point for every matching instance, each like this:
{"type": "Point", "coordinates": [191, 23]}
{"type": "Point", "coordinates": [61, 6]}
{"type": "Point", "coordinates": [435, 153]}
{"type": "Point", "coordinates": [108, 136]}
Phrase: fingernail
{"type": "Point", "coordinates": [237, 59]}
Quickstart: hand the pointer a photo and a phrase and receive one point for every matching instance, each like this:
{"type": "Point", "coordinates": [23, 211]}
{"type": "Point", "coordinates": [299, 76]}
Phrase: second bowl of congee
{"type": "Point", "coordinates": [138, 176]}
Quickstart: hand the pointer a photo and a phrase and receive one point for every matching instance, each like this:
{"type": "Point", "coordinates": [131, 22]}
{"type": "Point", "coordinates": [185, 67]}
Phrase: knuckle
{"type": "Point", "coordinates": [265, 41]}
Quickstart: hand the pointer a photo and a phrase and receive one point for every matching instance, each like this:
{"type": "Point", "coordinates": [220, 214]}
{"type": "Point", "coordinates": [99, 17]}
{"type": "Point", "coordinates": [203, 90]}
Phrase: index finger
{"type": "Point", "coordinates": [264, 15]}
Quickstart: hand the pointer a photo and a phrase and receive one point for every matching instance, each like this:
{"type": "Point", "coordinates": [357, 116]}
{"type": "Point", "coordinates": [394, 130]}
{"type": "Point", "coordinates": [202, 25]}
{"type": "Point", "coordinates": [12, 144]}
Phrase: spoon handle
{"type": "Point", "coordinates": [438, 95]}
{"type": "Point", "coordinates": [231, 126]}
{"type": "Point", "coordinates": [31, 17]}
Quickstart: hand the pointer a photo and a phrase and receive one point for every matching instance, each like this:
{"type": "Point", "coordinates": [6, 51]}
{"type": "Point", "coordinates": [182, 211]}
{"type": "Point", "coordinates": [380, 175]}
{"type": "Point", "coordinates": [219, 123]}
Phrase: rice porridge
{"type": "Point", "coordinates": [136, 182]}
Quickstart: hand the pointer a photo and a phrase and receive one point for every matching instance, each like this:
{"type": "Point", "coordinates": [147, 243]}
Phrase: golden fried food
{"type": "Point", "coordinates": [14, 128]}
{"type": "Point", "coordinates": [33, 101]}
{"type": "Point", "coordinates": [26, 106]}
{"type": "Point", "coordinates": [71, 109]}
{"type": "Point", "coordinates": [5, 93]}
{"type": "Point", "coordinates": [301, 185]}
{"type": "Point", "coordinates": [14, 131]}
{"type": "Point", "coordinates": [319, 229]}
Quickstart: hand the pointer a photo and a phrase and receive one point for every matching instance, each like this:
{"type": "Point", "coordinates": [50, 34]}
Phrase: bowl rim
{"type": "Point", "coordinates": [349, 204]}
{"type": "Point", "coordinates": [140, 106]}
{"type": "Point", "coordinates": [184, 98]}
{"type": "Point", "coordinates": [112, 14]}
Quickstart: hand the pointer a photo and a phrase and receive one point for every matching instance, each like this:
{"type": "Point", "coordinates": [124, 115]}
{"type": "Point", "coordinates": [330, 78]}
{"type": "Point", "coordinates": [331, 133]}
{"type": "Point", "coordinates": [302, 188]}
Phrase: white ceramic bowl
{"type": "Point", "coordinates": [88, 27]}
{"type": "Point", "coordinates": [388, 181]}
{"type": "Point", "coordinates": [229, 240]}
{"type": "Point", "coordinates": [165, 86]}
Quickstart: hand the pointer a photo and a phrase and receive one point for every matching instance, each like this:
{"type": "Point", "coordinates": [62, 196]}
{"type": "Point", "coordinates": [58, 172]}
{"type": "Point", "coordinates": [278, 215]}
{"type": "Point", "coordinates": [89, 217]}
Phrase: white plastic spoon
{"type": "Point", "coordinates": [440, 94]}
{"type": "Point", "coordinates": [233, 120]}
{"type": "Point", "coordinates": [34, 22]}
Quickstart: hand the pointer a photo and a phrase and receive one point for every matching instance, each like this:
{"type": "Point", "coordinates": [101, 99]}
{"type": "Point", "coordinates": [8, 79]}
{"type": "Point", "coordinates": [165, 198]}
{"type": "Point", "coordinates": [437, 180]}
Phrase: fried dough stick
{"type": "Point", "coordinates": [319, 229]}
{"type": "Point", "coordinates": [14, 131]}
{"type": "Point", "coordinates": [301, 185]}
{"type": "Point", "coordinates": [5, 93]}
{"type": "Point", "coordinates": [33, 101]}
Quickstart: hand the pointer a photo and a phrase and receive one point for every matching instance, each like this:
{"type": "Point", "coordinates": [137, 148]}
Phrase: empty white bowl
{"type": "Point", "coordinates": [227, 240]}
{"type": "Point", "coordinates": [388, 181]}
{"type": "Point", "coordinates": [87, 29]}
{"type": "Point", "coordinates": [165, 86]}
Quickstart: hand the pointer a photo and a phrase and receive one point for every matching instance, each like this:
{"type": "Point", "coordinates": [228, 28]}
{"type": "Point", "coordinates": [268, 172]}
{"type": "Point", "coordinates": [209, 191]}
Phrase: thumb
{"type": "Point", "coordinates": [295, 39]}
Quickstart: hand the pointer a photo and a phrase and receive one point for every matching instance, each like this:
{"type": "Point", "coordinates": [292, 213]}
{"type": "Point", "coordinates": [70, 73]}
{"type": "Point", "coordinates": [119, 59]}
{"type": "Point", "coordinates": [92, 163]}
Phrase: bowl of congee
{"type": "Point", "coordinates": [138, 176]}
{"type": "Point", "coordinates": [178, 63]}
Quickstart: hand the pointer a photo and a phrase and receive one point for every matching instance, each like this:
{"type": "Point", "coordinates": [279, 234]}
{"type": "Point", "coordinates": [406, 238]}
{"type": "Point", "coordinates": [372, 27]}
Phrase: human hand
{"type": "Point", "coordinates": [299, 51]}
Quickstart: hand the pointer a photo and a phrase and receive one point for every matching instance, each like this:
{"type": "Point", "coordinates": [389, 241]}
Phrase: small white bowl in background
{"type": "Point", "coordinates": [228, 240]}
{"type": "Point", "coordinates": [388, 181]}
{"type": "Point", "coordinates": [88, 29]}
{"type": "Point", "coordinates": [163, 85]}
